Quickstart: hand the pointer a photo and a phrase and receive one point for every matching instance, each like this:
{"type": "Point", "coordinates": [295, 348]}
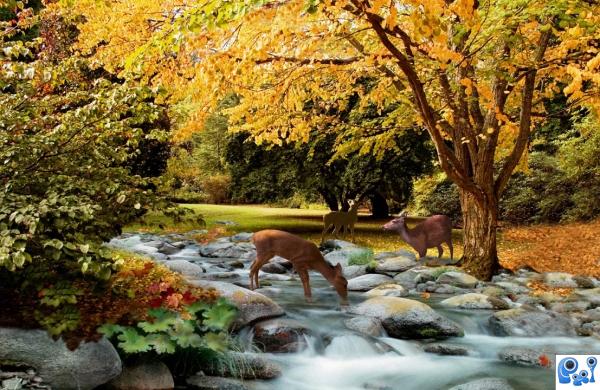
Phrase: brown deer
{"type": "Point", "coordinates": [304, 256]}
{"type": "Point", "coordinates": [430, 233]}
{"type": "Point", "coordinates": [341, 220]}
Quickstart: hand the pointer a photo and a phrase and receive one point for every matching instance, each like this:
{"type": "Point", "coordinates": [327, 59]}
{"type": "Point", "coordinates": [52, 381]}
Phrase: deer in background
{"type": "Point", "coordinates": [304, 256]}
{"type": "Point", "coordinates": [341, 220]}
{"type": "Point", "coordinates": [430, 233]}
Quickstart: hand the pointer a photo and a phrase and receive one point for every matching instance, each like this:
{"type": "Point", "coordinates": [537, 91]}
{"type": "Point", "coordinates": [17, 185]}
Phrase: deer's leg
{"type": "Point", "coordinates": [305, 284]}
{"type": "Point", "coordinates": [449, 242]}
{"type": "Point", "coordinates": [324, 232]}
{"type": "Point", "coordinates": [440, 251]}
{"type": "Point", "coordinates": [254, 268]}
{"type": "Point", "coordinates": [352, 232]}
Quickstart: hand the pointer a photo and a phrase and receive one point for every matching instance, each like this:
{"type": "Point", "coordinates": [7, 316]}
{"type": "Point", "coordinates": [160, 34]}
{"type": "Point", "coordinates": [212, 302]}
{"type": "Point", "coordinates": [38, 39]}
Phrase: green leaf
{"type": "Point", "coordinates": [162, 343]}
{"type": "Point", "coordinates": [133, 342]}
{"type": "Point", "coordinates": [219, 316]}
{"type": "Point", "coordinates": [163, 320]}
{"type": "Point", "coordinates": [216, 341]}
{"type": "Point", "coordinates": [109, 330]}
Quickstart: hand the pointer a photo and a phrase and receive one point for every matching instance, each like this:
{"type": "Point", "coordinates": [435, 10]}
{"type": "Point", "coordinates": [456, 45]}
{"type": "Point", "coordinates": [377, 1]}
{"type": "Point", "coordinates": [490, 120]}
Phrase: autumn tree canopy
{"type": "Point", "coordinates": [473, 73]}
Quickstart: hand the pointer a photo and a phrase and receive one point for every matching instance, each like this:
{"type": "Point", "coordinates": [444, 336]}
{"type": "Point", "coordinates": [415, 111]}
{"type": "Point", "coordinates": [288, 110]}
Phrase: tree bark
{"type": "Point", "coordinates": [330, 200]}
{"type": "Point", "coordinates": [480, 257]}
{"type": "Point", "coordinates": [379, 206]}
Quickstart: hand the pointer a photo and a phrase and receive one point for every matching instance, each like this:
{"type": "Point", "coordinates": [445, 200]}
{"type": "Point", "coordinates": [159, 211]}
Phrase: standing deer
{"type": "Point", "coordinates": [430, 233]}
{"type": "Point", "coordinates": [303, 255]}
{"type": "Point", "coordinates": [341, 220]}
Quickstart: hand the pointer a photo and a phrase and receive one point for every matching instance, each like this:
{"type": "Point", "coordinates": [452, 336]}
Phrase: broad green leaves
{"type": "Point", "coordinates": [204, 326]}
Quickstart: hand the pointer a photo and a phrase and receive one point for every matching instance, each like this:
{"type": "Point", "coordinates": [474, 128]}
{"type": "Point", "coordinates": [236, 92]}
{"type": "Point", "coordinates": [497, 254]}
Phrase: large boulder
{"type": "Point", "coordinates": [367, 282]}
{"type": "Point", "coordinates": [350, 255]}
{"type": "Point", "coordinates": [143, 376]}
{"type": "Point", "coordinates": [407, 318]}
{"type": "Point", "coordinates": [397, 264]}
{"type": "Point", "coordinates": [388, 290]}
{"type": "Point", "coordinates": [458, 279]}
{"type": "Point", "coordinates": [530, 323]}
{"type": "Point", "coordinates": [87, 367]}
{"type": "Point", "coordinates": [186, 268]}
{"type": "Point", "coordinates": [475, 301]}
{"type": "Point", "coordinates": [485, 384]}
{"type": "Point", "coordinates": [244, 366]}
{"type": "Point", "coordinates": [252, 306]}
{"type": "Point", "coordinates": [366, 325]}
{"type": "Point", "coordinates": [354, 271]}
{"type": "Point", "coordinates": [240, 237]}
{"type": "Point", "coordinates": [280, 335]}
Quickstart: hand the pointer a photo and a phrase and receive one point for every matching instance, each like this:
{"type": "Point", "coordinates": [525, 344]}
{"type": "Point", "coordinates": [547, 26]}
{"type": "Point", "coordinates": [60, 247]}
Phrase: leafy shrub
{"type": "Point", "coordinates": [217, 188]}
{"type": "Point", "coordinates": [361, 256]}
{"type": "Point", "coordinates": [435, 194]}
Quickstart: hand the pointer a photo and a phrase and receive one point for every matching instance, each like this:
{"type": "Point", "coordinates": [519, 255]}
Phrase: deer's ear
{"type": "Point", "coordinates": [338, 267]}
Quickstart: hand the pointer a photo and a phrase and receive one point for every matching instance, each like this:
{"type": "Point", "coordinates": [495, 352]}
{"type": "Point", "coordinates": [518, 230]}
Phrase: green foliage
{"type": "Point", "coordinates": [71, 138]}
{"type": "Point", "coordinates": [197, 326]}
{"type": "Point", "coordinates": [436, 194]}
{"type": "Point", "coordinates": [362, 256]}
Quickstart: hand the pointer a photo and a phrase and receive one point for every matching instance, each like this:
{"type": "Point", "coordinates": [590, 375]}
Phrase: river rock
{"type": "Point", "coordinates": [244, 366]}
{"type": "Point", "coordinates": [396, 264]}
{"type": "Point", "coordinates": [367, 282]}
{"type": "Point", "coordinates": [337, 244]}
{"type": "Point", "coordinates": [273, 268]}
{"type": "Point", "coordinates": [559, 280]}
{"type": "Point", "coordinates": [186, 268]}
{"type": "Point", "coordinates": [407, 318]}
{"type": "Point", "coordinates": [143, 376]}
{"type": "Point", "coordinates": [409, 279]}
{"type": "Point", "coordinates": [240, 237]}
{"type": "Point", "coordinates": [568, 307]}
{"type": "Point", "coordinates": [591, 295]}
{"type": "Point", "coordinates": [367, 325]}
{"type": "Point", "coordinates": [87, 367]}
{"type": "Point", "coordinates": [354, 271]}
{"type": "Point", "coordinates": [530, 323]}
{"type": "Point", "coordinates": [388, 290]}
{"type": "Point", "coordinates": [225, 248]}
{"type": "Point", "coordinates": [526, 357]}
{"type": "Point", "coordinates": [584, 281]}
{"type": "Point", "coordinates": [475, 301]}
{"type": "Point", "coordinates": [252, 306]}
{"type": "Point", "coordinates": [485, 384]}
{"type": "Point", "coordinates": [168, 249]}
{"type": "Point", "coordinates": [446, 349]}
{"type": "Point", "coordinates": [204, 382]}
{"type": "Point", "coordinates": [512, 288]}
{"type": "Point", "coordinates": [458, 279]}
{"type": "Point", "coordinates": [348, 255]}
{"type": "Point", "coordinates": [279, 335]}
{"type": "Point", "coordinates": [399, 253]}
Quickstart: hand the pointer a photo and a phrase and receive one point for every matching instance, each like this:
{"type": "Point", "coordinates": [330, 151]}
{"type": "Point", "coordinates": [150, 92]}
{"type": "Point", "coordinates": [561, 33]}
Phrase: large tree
{"type": "Point", "coordinates": [473, 73]}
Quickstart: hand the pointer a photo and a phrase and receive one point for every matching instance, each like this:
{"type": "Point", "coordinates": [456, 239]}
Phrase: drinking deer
{"type": "Point", "coordinates": [430, 233]}
{"type": "Point", "coordinates": [341, 220]}
{"type": "Point", "coordinates": [304, 256]}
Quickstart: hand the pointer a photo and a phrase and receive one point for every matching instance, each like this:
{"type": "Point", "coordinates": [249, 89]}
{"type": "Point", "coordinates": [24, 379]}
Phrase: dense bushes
{"type": "Point", "coordinates": [560, 185]}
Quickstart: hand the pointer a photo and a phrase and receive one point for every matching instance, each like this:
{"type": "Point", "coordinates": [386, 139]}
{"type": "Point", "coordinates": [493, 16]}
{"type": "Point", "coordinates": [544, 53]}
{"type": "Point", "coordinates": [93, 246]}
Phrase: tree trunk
{"type": "Point", "coordinates": [480, 257]}
{"type": "Point", "coordinates": [330, 200]}
{"type": "Point", "coordinates": [379, 206]}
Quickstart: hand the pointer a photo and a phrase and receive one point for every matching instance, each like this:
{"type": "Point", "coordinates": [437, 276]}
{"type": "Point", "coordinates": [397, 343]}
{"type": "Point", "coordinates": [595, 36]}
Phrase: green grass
{"type": "Point", "coordinates": [303, 222]}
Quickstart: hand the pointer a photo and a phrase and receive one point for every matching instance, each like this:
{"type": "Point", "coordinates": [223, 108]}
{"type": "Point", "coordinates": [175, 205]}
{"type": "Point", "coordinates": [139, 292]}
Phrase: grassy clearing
{"type": "Point", "coordinates": [570, 248]}
{"type": "Point", "coordinates": [305, 223]}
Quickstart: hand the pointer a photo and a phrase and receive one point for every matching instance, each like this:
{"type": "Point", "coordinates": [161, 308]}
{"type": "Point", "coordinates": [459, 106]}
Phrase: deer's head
{"type": "Point", "coordinates": [396, 223]}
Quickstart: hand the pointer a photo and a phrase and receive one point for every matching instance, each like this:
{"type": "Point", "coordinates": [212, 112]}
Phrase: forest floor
{"type": "Point", "coordinates": [573, 248]}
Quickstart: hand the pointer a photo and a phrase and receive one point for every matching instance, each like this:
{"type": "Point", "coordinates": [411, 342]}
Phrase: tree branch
{"type": "Point", "coordinates": [525, 121]}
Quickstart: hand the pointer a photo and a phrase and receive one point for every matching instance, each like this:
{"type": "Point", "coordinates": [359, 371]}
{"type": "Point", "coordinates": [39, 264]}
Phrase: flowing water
{"type": "Point", "coordinates": [338, 358]}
